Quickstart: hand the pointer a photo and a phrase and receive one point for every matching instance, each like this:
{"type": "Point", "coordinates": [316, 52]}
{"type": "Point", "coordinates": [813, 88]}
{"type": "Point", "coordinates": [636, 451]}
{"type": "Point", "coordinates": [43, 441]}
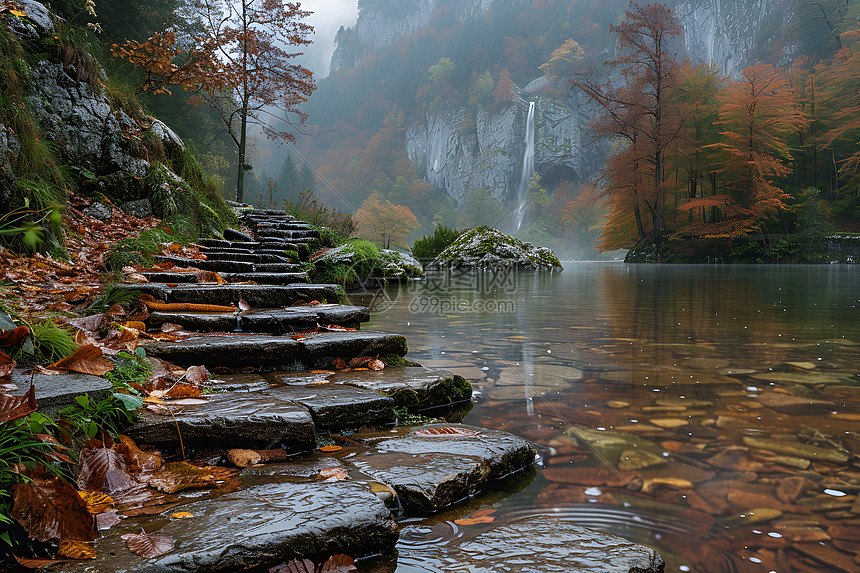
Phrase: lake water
{"type": "Point", "coordinates": [711, 412]}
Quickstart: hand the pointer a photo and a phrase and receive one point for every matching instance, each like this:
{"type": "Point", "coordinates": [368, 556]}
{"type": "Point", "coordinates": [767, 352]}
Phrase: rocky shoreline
{"type": "Point", "coordinates": [286, 398]}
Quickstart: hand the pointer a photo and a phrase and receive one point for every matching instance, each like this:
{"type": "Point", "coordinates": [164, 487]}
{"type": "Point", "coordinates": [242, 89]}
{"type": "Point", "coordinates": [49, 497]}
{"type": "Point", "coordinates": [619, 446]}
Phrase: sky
{"type": "Point", "coordinates": [327, 17]}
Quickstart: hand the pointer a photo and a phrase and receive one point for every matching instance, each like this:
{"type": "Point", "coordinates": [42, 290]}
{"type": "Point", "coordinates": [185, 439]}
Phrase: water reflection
{"type": "Point", "coordinates": [708, 411]}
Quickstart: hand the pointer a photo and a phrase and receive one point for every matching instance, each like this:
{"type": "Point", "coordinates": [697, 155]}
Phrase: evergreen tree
{"type": "Point", "coordinates": [307, 179]}
{"type": "Point", "coordinates": [289, 182]}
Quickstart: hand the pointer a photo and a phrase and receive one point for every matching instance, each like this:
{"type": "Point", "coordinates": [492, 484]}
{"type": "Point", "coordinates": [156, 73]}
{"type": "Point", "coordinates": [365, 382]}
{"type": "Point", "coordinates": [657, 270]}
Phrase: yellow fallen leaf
{"type": "Point", "coordinates": [330, 448]}
{"type": "Point", "coordinates": [182, 515]}
{"type": "Point", "coordinates": [96, 501]}
{"type": "Point", "coordinates": [19, 13]}
{"type": "Point", "coordinates": [76, 549]}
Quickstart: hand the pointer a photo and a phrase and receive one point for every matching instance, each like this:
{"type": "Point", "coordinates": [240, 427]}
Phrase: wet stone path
{"type": "Point", "coordinates": [284, 397]}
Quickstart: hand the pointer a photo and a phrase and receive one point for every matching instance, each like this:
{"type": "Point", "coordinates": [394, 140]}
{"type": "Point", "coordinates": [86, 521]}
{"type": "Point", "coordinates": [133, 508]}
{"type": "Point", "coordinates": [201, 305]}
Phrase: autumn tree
{"type": "Point", "coordinates": [563, 60]}
{"type": "Point", "coordinates": [241, 65]}
{"type": "Point", "coordinates": [383, 222]}
{"type": "Point", "coordinates": [584, 216]}
{"type": "Point", "coordinates": [840, 77]}
{"type": "Point", "coordinates": [757, 117]}
{"type": "Point", "coordinates": [635, 108]}
{"type": "Point", "coordinates": [505, 89]}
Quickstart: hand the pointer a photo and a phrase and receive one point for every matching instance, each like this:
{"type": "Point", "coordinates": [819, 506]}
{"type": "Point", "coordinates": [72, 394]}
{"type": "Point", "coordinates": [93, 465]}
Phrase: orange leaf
{"type": "Point", "coordinates": [444, 432]}
{"type": "Point", "coordinates": [474, 520]}
{"type": "Point", "coordinates": [376, 364]}
{"type": "Point", "coordinates": [87, 360]}
{"type": "Point", "coordinates": [14, 337]}
{"type": "Point", "coordinates": [96, 501]}
{"type": "Point", "coordinates": [135, 324]}
{"type": "Point", "coordinates": [330, 448]}
{"type": "Point", "coordinates": [334, 474]}
{"type": "Point", "coordinates": [294, 566]}
{"type": "Point", "coordinates": [182, 515]}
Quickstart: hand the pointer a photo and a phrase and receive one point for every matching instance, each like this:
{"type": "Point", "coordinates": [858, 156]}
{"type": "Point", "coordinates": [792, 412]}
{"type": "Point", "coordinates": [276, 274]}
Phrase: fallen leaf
{"type": "Point", "coordinates": [169, 327]}
{"type": "Point", "coordinates": [334, 474]}
{"type": "Point", "coordinates": [338, 564]}
{"type": "Point", "coordinates": [96, 501]}
{"type": "Point", "coordinates": [90, 323]}
{"type": "Point", "coordinates": [376, 364]}
{"type": "Point", "coordinates": [294, 566]}
{"type": "Point", "coordinates": [196, 375]}
{"type": "Point", "coordinates": [483, 512]}
{"type": "Point", "coordinates": [51, 509]}
{"type": "Point", "coordinates": [37, 563]}
{"type": "Point", "coordinates": [331, 448]}
{"type": "Point", "coordinates": [475, 520]}
{"type": "Point", "coordinates": [7, 365]}
{"type": "Point", "coordinates": [182, 515]}
{"type": "Point", "coordinates": [135, 324]}
{"type": "Point", "coordinates": [244, 306]}
{"type": "Point", "coordinates": [104, 470]}
{"type": "Point", "coordinates": [360, 361]}
{"type": "Point", "coordinates": [86, 360]}
{"type": "Point", "coordinates": [178, 476]}
{"type": "Point", "coordinates": [445, 432]}
{"type": "Point", "coordinates": [148, 545]}
{"type": "Point", "coordinates": [14, 337]}
{"type": "Point", "coordinates": [13, 407]}
{"type": "Point", "coordinates": [76, 549]}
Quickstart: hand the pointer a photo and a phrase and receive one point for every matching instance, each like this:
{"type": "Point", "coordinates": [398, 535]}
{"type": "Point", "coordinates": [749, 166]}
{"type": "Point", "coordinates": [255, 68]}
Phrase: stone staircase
{"type": "Point", "coordinates": [284, 394]}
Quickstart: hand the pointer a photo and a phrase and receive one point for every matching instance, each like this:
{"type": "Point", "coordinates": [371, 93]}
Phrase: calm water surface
{"type": "Point", "coordinates": [711, 412]}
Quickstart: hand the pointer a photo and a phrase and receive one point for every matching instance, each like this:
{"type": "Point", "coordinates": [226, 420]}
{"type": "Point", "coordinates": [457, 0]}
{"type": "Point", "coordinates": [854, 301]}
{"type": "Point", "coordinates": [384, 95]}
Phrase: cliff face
{"type": "Point", "coordinates": [490, 155]}
{"type": "Point", "coordinates": [71, 108]}
{"type": "Point", "coordinates": [463, 149]}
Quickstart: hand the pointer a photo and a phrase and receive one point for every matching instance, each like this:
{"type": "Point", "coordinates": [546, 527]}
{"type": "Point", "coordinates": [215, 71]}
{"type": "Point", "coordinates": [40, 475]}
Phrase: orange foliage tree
{"type": "Point", "coordinates": [505, 89]}
{"type": "Point", "coordinates": [636, 109]}
{"type": "Point", "coordinates": [241, 66]}
{"type": "Point", "coordinates": [758, 116]}
{"type": "Point", "coordinates": [840, 78]}
{"type": "Point", "coordinates": [383, 222]}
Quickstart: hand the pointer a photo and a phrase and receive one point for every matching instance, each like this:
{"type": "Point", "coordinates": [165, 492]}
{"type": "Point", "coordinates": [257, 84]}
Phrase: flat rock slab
{"type": "Point", "coordinates": [410, 386]}
{"type": "Point", "coordinates": [234, 351]}
{"type": "Point", "coordinates": [353, 344]}
{"type": "Point", "coordinates": [237, 383]}
{"type": "Point", "coordinates": [247, 419]}
{"type": "Point", "coordinates": [430, 473]}
{"type": "Point", "coordinates": [214, 255]}
{"type": "Point", "coordinates": [788, 404]}
{"type": "Point", "coordinates": [273, 321]}
{"type": "Point", "coordinates": [263, 525]}
{"type": "Point", "coordinates": [262, 351]}
{"type": "Point", "coordinates": [540, 544]}
{"type": "Point", "coordinates": [265, 296]}
{"type": "Point", "coordinates": [206, 265]}
{"type": "Point", "coordinates": [53, 393]}
{"type": "Point", "coordinates": [296, 276]}
{"type": "Point", "coordinates": [338, 407]}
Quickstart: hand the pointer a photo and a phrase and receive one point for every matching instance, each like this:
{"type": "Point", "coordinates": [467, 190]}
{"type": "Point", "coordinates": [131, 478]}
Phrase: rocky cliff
{"type": "Point", "coordinates": [482, 148]}
{"type": "Point", "coordinates": [64, 95]}
{"type": "Point", "coordinates": [458, 155]}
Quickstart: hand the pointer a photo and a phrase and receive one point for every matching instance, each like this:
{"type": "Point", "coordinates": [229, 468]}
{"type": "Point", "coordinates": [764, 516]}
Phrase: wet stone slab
{"type": "Point", "coordinates": [260, 526]}
{"type": "Point", "coordinates": [234, 351]}
{"type": "Point", "coordinates": [246, 419]}
{"type": "Point", "coordinates": [337, 407]}
{"type": "Point", "coordinates": [264, 296]}
{"type": "Point", "coordinates": [410, 386]}
{"type": "Point", "coordinates": [261, 278]}
{"type": "Point", "coordinates": [347, 345]}
{"type": "Point", "coordinates": [274, 321]}
{"type": "Point", "coordinates": [430, 473]}
{"type": "Point", "coordinates": [237, 383]}
{"type": "Point", "coordinates": [540, 544]}
{"type": "Point", "coordinates": [53, 393]}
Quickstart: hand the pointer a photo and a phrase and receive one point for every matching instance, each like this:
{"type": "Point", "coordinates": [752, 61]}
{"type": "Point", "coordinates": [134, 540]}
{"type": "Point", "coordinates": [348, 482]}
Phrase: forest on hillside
{"type": "Point", "coordinates": [695, 176]}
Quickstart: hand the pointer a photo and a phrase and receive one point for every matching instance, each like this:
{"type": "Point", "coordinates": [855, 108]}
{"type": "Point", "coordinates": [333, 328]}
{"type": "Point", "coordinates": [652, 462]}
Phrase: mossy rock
{"type": "Point", "coordinates": [487, 248]}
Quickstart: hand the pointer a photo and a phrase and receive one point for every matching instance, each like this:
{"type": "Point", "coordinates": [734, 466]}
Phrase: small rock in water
{"type": "Point", "coordinates": [636, 459]}
{"type": "Point", "coordinates": [618, 404]}
{"type": "Point", "coordinates": [669, 422]}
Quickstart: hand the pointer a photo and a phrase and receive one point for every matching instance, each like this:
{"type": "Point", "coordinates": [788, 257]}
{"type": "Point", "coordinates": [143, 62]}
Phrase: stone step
{"type": "Point", "coordinates": [336, 407]}
{"type": "Point", "coordinates": [535, 543]}
{"type": "Point", "coordinates": [53, 393]}
{"type": "Point", "coordinates": [262, 296]}
{"type": "Point", "coordinates": [234, 235]}
{"type": "Point", "coordinates": [223, 244]}
{"type": "Point", "coordinates": [413, 386]}
{"type": "Point", "coordinates": [272, 352]}
{"type": "Point", "coordinates": [265, 524]}
{"type": "Point", "coordinates": [247, 420]}
{"type": "Point", "coordinates": [206, 265]}
{"type": "Point", "coordinates": [277, 267]}
{"type": "Point", "coordinates": [219, 255]}
{"type": "Point", "coordinates": [284, 225]}
{"type": "Point", "coordinates": [279, 213]}
{"type": "Point", "coordinates": [433, 472]}
{"type": "Point", "coordinates": [260, 278]}
{"type": "Point", "coordinates": [261, 320]}
{"type": "Point", "coordinates": [263, 234]}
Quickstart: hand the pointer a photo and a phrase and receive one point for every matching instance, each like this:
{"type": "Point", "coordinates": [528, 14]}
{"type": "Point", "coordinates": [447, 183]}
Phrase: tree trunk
{"type": "Point", "coordinates": [240, 178]}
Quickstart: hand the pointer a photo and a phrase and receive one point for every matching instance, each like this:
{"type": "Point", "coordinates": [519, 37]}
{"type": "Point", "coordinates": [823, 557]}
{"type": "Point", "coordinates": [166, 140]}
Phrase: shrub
{"type": "Point", "coordinates": [429, 247]}
{"type": "Point", "coordinates": [307, 207]}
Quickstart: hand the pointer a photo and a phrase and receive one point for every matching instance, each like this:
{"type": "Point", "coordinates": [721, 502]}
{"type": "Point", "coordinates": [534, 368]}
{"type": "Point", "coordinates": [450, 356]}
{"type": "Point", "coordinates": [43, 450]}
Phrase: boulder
{"type": "Point", "coordinates": [486, 248]}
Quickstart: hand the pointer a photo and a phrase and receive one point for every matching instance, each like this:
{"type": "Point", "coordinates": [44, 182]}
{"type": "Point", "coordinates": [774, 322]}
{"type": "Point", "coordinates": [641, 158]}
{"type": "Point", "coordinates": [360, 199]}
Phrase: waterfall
{"type": "Point", "coordinates": [528, 166]}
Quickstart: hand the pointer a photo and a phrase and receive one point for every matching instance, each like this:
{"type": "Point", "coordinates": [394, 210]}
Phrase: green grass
{"type": "Point", "coordinates": [51, 343]}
